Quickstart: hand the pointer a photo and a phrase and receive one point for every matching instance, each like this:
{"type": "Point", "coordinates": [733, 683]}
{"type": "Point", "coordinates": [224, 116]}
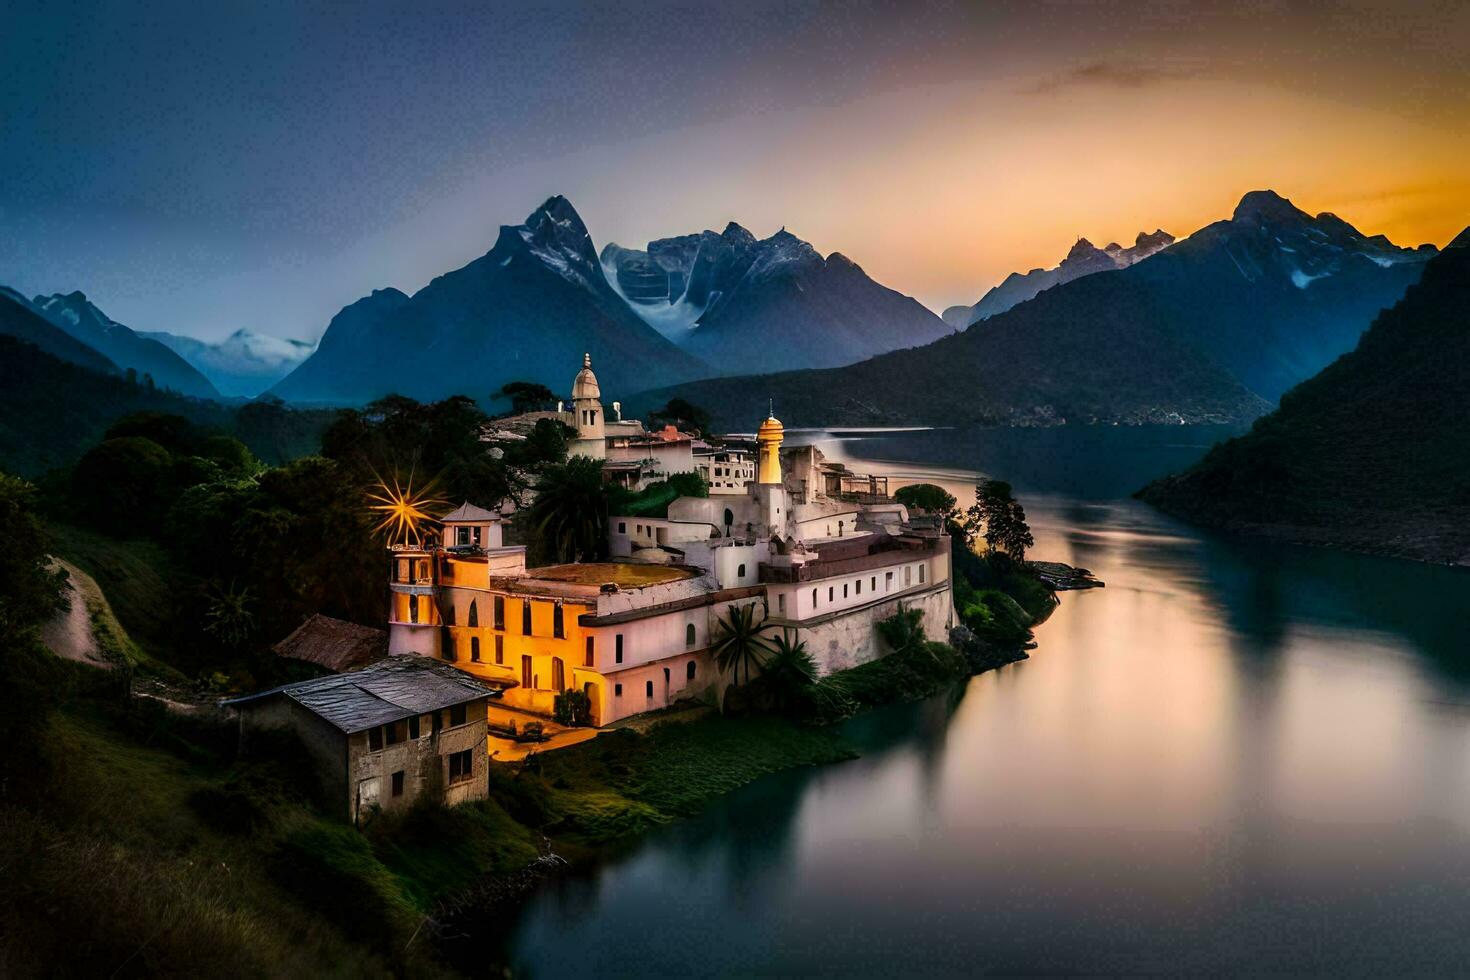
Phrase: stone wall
{"type": "Point", "coordinates": [852, 638]}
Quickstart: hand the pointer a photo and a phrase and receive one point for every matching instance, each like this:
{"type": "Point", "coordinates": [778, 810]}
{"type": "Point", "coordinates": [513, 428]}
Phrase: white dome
{"type": "Point", "coordinates": [585, 386]}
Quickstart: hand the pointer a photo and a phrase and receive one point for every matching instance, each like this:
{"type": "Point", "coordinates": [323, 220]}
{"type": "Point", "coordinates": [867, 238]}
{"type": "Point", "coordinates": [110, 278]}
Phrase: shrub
{"type": "Point", "coordinates": [572, 708]}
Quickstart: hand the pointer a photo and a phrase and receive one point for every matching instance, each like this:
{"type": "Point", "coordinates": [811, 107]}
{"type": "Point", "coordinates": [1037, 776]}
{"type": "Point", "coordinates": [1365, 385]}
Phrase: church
{"type": "Point", "coordinates": [822, 558]}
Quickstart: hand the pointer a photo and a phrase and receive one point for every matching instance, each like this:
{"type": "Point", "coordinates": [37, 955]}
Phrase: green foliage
{"type": "Point", "coordinates": [1000, 519]}
{"type": "Point", "coordinates": [680, 413]}
{"type": "Point", "coordinates": [525, 396]}
{"type": "Point", "coordinates": [912, 673]}
{"type": "Point", "coordinates": [926, 497]}
{"type": "Point", "coordinates": [739, 644]}
{"type": "Point", "coordinates": [570, 511]}
{"type": "Point", "coordinates": [654, 499]}
{"type": "Point", "coordinates": [572, 708]}
{"type": "Point", "coordinates": [435, 850]}
{"type": "Point", "coordinates": [333, 872]}
{"type": "Point", "coordinates": [546, 443]}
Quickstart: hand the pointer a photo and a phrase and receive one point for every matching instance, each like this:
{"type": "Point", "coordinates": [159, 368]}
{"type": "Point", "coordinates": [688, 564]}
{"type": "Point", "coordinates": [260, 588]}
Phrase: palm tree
{"type": "Point", "coordinates": [739, 642]}
{"type": "Point", "coordinates": [570, 510]}
{"type": "Point", "coordinates": [789, 670]}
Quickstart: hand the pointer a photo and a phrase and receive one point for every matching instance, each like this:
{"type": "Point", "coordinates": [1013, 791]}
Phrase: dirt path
{"type": "Point", "coordinates": [69, 634]}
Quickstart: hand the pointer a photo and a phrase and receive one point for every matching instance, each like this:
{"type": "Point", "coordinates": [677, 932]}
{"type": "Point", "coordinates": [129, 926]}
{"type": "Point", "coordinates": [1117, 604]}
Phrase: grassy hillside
{"type": "Point", "coordinates": [1372, 454]}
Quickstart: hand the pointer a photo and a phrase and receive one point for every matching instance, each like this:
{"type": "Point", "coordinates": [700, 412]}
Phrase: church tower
{"type": "Point", "coordinates": [587, 412]}
{"type": "Point", "coordinates": [769, 489]}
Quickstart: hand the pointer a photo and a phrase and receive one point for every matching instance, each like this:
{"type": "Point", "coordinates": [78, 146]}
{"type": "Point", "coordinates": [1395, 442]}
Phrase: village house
{"type": "Point", "coordinates": [384, 736]}
{"type": "Point", "coordinates": [823, 554]}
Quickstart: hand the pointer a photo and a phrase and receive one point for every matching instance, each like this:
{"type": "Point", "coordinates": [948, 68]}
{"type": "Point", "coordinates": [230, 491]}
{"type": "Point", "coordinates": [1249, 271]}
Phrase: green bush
{"type": "Point", "coordinates": [332, 870]}
{"type": "Point", "coordinates": [572, 708]}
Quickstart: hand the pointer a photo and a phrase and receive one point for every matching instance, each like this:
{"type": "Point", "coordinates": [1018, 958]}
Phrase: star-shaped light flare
{"type": "Point", "coordinates": [404, 509]}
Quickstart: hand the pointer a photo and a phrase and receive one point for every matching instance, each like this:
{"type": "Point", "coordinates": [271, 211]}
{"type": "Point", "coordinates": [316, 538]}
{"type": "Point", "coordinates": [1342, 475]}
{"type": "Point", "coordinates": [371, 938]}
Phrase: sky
{"type": "Point", "coordinates": [200, 167]}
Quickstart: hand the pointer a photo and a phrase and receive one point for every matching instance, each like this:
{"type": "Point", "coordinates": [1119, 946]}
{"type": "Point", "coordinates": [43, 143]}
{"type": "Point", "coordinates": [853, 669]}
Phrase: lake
{"type": "Point", "coordinates": [1236, 757]}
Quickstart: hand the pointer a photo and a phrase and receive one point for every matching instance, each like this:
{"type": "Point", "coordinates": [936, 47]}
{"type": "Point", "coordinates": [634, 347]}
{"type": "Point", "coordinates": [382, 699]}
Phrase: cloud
{"type": "Point", "coordinates": [1108, 74]}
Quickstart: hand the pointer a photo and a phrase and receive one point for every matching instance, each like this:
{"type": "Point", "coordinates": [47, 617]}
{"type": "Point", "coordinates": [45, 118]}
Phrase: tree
{"type": "Point", "coordinates": [525, 396]}
{"type": "Point", "coordinates": [683, 415]}
{"type": "Point", "coordinates": [1001, 519]}
{"type": "Point", "coordinates": [926, 497]}
{"type": "Point", "coordinates": [739, 644]}
{"type": "Point", "coordinates": [789, 672]}
{"type": "Point", "coordinates": [903, 631]}
{"type": "Point", "coordinates": [30, 589]}
{"type": "Point", "coordinates": [570, 511]}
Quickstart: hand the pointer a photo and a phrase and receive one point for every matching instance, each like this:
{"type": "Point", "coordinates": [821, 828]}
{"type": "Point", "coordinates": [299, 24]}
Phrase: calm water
{"type": "Point", "coordinates": [1235, 757]}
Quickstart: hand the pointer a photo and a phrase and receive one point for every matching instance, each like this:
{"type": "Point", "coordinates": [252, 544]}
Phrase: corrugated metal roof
{"type": "Point", "coordinates": [389, 690]}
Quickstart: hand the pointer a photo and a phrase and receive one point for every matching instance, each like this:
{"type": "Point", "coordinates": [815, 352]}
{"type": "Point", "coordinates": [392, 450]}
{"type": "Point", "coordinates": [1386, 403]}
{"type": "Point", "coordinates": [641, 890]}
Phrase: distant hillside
{"type": "Point", "coordinates": [1211, 329]}
{"type": "Point", "coordinates": [744, 304]}
{"type": "Point", "coordinates": [1372, 454]}
{"type": "Point", "coordinates": [74, 314]}
{"type": "Point", "coordinates": [1039, 364]}
{"type": "Point", "coordinates": [526, 310]}
{"type": "Point", "coordinates": [1084, 259]}
{"type": "Point", "coordinates": [52, 410]}
{"type": "Point", "coordinates": [243, 364]}
{"type": "Point", "coordinates": [20, 320]}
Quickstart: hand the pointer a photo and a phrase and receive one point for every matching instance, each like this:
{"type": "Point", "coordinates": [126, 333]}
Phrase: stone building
{"type": "Point", "coordinates": [381, 737]}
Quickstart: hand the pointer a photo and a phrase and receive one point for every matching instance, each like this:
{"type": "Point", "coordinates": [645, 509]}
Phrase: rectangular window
{"type": "Point", "coordinates": [844, 590]}
{"type": "Point", "coordinates": [873, 583]}
{"type": "Point", "coordinates": [618, 648]}
{"type": "Point", "coordinates": [622, 527]}
{"type": "Point", "coordinates": [398, 783]}
{"type": "Point", "coordinates": [907, 576]}
{"type": "Point", "coordinates": [457, 714]}
{"type": "Point", "coordinates": [558, 622]}
{"type": "Point", "coordinates": [375, 739]}
{"type": "Point", "coordinates": [499, 649]}
{"type": "Point", "coordinates": [591, 652]}
{"type": "Point", "coordinates": [830, 593]}
{"type": "Point", "coordinates": [617, 690]}
{"type": "Point", "coordinates": [461, 536]}
{"type": "Point", "coordinates": [648, 689]}
{"type": "Point", "coordinates": [475, 649]}
{"type": "Point", "coordinates": [887, 581]}
{"type": "Point", "coordinates": [500, 612]}
{"type": "Point", "coordinates": [393, 733]}
{"type": "Point", "coordinates": [436, 722]}
{"type": "Point", "coordinates": [558, 674]}
{"type": "Point", "coordinates": [413, 727]}
{"type": "Point", "coordinates": [859, 585]}
{"type": "Point", "coordinates": [526, 617]}
{"type": "Point", "coordinates": [921, 574]}
{"type": "Point", "coordinates": [526, 677]}
{"type": "Point", "coordinates": [781, 603]}
{"type": "Point", "coordinates": [461, 766]}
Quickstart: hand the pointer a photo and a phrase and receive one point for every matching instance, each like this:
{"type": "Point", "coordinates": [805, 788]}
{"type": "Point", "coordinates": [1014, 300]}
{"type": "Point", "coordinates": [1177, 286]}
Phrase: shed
{"type": "Point", "coordinates": [334, 644]}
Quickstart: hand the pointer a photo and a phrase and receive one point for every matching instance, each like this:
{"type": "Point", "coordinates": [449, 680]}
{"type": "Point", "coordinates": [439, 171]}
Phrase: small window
{"type": "Point", "coordinates": [873, 583]}
{"type": "Point", "coordinates": [558, 622]}
{"type": "Point", "coordinates": [844, 590]}
{"type": "Point", "coordinates": [689, 671]}
{"type": "Point", "coordinates": [461, 536]}
{"type": "Point", "coordinates": [526, 617]}
{"type": "Point", "coordinates": [474, 649]}
{"type": "Point", "coordinates": [461, 766]}
{"type": "Point", "coordinates": [689, 635]}
{"type": "Point", "coordinates": [398, 783]}
{"type": "Point", "coordinates": [558, 674]}
{"type": "Point", "coordinates": [781, 603]}
{"type": "Point", "coordinates": [436, 722]}
{"type": "Point", "coordinates": [618, 648]}
{"type": "Point", "coordinates": [740, 572]}
{"type": "Point", "coordinates": [392, 734]}
{"type": "Point", "coordinates": [622, 527]}
{"type": "Point", "coordinates": [887, 581]}
{"type": "Point", "coordinates": [908, 573]}
{"type": "Point", "coordinates": [527, 678]}
{"type": "Point", "coordinates": [921, 574]}
{"type": "Point", "coordinates": [500, 649]}
{"type": "Point", "coordinates": [859, 586]}
{"type": "Point", "coordinates": [617, 690]}
{"type": "Point", "coordinates": [413, 727]}
{"type": "Point", "coordinates": [474, 617]}
{"type": "Point", "coordinates": [830, 593]}
{"type": "Point", "coordinates": [456, 714]}
{"type": "Point", "coordinates": [500, 612]}
{"type": "Point", "coordinates": [375, 739]}
{"type": "Point", "coordinates": [591, 652]}
{"type": "Point", "coordinates": [449, 613]}
{"type": "Point", "coordinates": [814, 598]}
{"type": "Point", "coordinates": [648, 689]}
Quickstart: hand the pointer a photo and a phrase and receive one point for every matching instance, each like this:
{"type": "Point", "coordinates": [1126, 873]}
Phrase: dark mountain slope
{"type": "Point", "coordinates": [1372, 454]}
{"type": "Point", "coordinates": [1039, 364]}
{"type": "Point", "coordinates": [526, 310]}
{"type": "Point", "coordinates": [742, 304]}
{"type": "Point", "coordinates": [20, 320]}
{"type": "Point", "coordinates": [79, 317]}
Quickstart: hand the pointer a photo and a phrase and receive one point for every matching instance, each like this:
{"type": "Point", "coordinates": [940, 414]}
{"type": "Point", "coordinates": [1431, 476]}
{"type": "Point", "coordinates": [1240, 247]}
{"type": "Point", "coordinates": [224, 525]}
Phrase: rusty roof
{"type": "Point", "coordinates": [334, 644]}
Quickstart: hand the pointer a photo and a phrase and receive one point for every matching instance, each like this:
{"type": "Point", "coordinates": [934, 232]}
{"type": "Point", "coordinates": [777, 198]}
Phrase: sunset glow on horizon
{"type": "Point", "coordinates": [940, 148]}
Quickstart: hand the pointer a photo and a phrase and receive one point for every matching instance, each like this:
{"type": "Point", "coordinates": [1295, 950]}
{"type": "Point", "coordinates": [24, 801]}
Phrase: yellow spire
{"type": "Point", "coordinates": [769, 437]}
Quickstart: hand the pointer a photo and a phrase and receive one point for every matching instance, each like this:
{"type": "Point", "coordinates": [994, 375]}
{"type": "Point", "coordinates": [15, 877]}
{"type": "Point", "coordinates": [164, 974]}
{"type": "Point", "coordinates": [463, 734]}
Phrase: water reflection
{"type": "Point", "coordinates": [1235, 757]}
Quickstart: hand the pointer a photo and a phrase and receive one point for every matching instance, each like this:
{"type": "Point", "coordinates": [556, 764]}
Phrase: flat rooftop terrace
{"type": "Point", "coordinates": [625, 575]}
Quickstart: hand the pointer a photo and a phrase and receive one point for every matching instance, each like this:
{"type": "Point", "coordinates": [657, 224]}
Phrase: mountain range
{"type": "Point", "coordinates": [1084, 259]}
{"type": "Point", "coordinates": [734, 300]}
{"type": "Point", "coordinates": [1211, 328]}
{"type": "Point", "coordinates": [243, 364]}
{"type": "Point", "coordinates": [120, 348]}
{"type": "Point", "coordinates": [1371, 454]}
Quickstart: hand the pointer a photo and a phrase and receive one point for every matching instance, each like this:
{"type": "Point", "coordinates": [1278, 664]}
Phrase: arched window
{"type": "Point", "coordinates": [474, 617]}
{"type": "Point", "coordinates": [689, 671]}
{"type": "Point", "coordinates": [689, 635]}
{"type": "Point", "coordinates": [840, 525]}
{"type": "Point", "coordinates": [814, 598]}
{"type": "Point", "coordinates": [729, 517]}
{"type": "Point", "coordinates": [740, 572]}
